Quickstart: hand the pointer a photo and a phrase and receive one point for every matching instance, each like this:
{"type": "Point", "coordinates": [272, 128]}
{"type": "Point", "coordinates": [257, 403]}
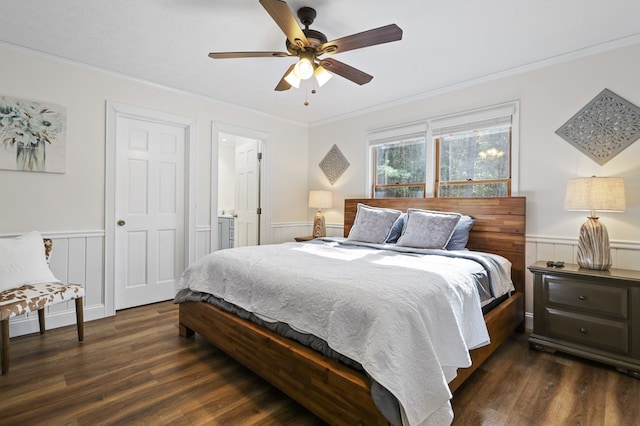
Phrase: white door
{"type": "Point", "coordinates": [149, 210]}
{"type": "Point", "coordinates": [247, 197]}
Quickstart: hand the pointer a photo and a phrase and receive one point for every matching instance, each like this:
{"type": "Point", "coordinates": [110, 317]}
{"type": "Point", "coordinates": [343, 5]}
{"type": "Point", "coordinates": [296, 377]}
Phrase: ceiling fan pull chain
{"type": "Point", "coordinates": [306, 98]}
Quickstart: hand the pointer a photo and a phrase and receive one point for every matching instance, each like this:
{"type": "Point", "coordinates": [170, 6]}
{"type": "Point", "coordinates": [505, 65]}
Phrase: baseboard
{"type": "Point", "coordinates": [27, 324]}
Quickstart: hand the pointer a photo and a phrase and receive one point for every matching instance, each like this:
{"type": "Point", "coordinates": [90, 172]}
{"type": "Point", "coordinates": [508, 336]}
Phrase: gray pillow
{"type": "Point", "coordinates": [460, 236]}
{"type": "Point", "coordinates": [428, 229]}
{"type": "Point", "coordinates": [396, 229]}
{"type": "Point", "coordinates": [372, 224]}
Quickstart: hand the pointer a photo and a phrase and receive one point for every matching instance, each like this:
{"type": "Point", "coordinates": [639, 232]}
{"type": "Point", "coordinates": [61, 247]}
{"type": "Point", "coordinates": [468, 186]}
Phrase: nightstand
{"type": "Point", "coordinates": [301, 239]}
{"type": "Point", "coordinates": [589, 313]}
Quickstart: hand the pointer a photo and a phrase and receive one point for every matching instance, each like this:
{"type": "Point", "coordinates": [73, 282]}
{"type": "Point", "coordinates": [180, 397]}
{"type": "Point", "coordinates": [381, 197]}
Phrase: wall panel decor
{"type": "Point", "coordinates": [604, 127]}
{"type": "Point", "coordinates": [334, 164]}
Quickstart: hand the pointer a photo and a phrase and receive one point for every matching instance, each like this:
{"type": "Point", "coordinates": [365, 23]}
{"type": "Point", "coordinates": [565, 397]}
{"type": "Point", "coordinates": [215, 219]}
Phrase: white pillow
{"type": "Point", "coordinates": [22, 261]}
{"type": "Point", "coordinates": [428, 229]}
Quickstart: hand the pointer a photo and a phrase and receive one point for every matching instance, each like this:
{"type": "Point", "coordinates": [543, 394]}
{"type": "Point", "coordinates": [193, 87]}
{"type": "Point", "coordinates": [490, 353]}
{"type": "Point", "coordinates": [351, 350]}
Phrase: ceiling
{"type": "Point", "coordinates": [445, 44]}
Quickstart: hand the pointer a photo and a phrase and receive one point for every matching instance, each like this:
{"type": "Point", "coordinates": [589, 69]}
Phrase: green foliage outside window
{"type": "Point", "coordinates": [471, 163]}
{"type": "Point", "coordinates": [469, 159]}
{"type": "Point", "coordinates": [398, 166]}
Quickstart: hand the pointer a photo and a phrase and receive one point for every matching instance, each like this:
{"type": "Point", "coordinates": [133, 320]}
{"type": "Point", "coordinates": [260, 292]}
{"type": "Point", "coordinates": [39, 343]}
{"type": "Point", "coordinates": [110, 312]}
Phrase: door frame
{"type": "Point", "coordinates": [115, 110]}
{"type": "Point", "coordinates": [265, 181]}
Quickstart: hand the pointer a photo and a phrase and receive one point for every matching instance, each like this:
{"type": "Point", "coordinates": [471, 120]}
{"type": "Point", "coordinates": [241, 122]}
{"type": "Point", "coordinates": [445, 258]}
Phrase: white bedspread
{"type": "Point", "coordinates": [410, 320]}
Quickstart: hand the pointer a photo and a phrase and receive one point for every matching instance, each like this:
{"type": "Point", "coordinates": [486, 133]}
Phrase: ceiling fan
{"type": "Point", "coordinates": [308, 45]}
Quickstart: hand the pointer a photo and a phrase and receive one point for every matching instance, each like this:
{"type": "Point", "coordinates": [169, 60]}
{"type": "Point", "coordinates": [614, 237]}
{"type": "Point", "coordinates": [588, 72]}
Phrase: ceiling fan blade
{"type": "Point", "coordinates": [283, 84]}
{"type": "Point", "coordinates": [280, 12]}
{"type": "Point", "coordinates": [227, 55]}
{"type": "Point", "coordinates": [346, 71]}
{"type": "Point", "coordinates": [372, 37]}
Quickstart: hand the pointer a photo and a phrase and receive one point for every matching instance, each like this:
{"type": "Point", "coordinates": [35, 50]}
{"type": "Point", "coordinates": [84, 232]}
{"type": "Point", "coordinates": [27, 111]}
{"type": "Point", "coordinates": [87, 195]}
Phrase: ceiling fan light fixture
{"type": "Point", "coordinates": [304, 68]}
{"type": "Point", "coordinates": [292, 79]}
{"type": "Point", "coordinates": [322, 75]}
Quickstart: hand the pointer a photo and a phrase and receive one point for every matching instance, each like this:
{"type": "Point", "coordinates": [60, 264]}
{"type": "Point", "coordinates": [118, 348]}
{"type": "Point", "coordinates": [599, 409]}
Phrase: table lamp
{"type": "Point", "coordinates": [320, 200]}
{"type": "Point", "coordinates": [592, 194]}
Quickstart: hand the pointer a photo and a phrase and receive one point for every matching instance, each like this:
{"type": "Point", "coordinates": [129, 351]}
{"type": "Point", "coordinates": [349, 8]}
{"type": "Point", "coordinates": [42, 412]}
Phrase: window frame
{"type": "Point", "coordinates": [374, 164]}
{"type": "Point", "coordinates": [392, 135]}
{"type": "Point", "coordinates": [432, 127]}
{"type": "Point", "coordinates": [438, 182]}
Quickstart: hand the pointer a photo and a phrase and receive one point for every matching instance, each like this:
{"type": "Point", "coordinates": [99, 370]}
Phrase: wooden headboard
{"type": "Point", "coordinates": [499, 227]}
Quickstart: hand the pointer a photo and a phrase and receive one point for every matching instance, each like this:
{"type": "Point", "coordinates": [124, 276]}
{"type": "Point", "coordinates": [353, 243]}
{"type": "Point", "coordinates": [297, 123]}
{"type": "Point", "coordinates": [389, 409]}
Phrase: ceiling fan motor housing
{"type": "Point", "coordinates": [306, 15]}
{"type": "Point", "coordinates": [315, 39]}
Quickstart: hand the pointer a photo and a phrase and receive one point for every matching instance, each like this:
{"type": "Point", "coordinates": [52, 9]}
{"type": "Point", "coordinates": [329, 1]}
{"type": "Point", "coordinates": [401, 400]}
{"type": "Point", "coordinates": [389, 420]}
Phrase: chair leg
{"type": "Point", "coordinates": [80, 318]}
{"type": "Point", "coordinates": [5, 346]}
{"type": "Point", "coordinates": [41, 320]}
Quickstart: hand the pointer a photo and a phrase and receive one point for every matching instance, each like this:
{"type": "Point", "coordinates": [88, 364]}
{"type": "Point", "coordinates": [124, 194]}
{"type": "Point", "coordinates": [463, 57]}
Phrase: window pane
{"type": "Point", "coordinates": [477, 155]}
{"type": "Point", "coordinates": [400, 192]}
{"type": "Point", "coordinates": [402, 162]}
{"type": "Point", "coordinates": [497, 189]}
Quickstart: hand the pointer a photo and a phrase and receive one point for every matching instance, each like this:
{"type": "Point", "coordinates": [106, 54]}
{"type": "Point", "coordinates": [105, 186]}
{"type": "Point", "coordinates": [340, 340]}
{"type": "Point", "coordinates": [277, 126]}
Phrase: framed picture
{"type": "Point", "coordinates": [32, 136]}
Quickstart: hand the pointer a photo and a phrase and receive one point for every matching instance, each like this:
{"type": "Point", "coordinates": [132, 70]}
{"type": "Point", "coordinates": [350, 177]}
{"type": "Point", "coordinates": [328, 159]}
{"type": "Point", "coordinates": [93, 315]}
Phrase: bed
{"type": "Point", "coordinates": [336, 392]}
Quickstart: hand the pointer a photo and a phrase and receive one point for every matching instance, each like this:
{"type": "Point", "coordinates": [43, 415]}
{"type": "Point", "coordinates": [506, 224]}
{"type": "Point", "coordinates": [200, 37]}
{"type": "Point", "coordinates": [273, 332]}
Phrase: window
{"type": "Point", "coordinates": [472, 154]}
{"type": "Point", "coordinates": [398, 163]}
{"type": "Point", "coordinates": [400, 169]}
{"type": "Point", "coordinates": [474, 161]}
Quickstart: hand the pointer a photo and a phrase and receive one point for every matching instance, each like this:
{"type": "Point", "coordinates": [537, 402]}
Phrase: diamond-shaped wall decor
{"type": "Point", "coordinates": [334, 164]}
{"type": "Point", "coordinates": [604, 127]}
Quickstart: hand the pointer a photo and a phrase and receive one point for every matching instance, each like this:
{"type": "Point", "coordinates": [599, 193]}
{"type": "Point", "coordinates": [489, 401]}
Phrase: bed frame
{"type": "Point", "coordinates": [334, 392]}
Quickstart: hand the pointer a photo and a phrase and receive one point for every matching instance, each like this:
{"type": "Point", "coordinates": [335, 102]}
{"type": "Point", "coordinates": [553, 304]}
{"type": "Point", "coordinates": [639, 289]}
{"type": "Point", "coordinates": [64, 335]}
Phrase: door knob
{"type": "Point", "coordinates": [121, 222]}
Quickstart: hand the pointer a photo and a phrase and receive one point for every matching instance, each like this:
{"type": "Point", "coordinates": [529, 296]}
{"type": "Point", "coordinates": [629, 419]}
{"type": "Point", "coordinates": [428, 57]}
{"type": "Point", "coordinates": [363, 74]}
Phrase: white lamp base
{"type": "Point", "coordinates": [319, 228]}
{"type": "Point", "coordinates": [594, 251]}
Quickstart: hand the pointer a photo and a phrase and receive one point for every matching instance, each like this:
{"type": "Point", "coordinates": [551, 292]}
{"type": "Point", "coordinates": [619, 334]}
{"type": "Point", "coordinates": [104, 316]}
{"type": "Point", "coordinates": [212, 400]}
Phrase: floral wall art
{"type": "Point", "coordinates": [32, 135]}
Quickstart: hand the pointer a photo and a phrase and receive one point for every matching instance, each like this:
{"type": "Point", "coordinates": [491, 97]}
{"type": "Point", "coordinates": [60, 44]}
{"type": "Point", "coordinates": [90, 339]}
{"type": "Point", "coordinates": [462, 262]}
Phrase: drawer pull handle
{"type": "Point", "coordinates": [581, 297]}
{"type": "Point", "coordinates": [583, 330]}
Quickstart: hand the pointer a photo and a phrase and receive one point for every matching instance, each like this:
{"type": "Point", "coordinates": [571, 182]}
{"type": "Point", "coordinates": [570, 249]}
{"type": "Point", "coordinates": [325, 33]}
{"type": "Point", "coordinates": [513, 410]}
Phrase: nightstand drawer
{"type": "Point", "coordinates": [597, 333]}
{"type": "Point", "coordinates": [599, 299]}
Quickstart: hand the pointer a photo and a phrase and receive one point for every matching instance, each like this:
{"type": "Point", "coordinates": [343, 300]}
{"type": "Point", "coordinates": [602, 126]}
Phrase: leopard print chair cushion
{"type": "Point", "coordinates": [30, 298]}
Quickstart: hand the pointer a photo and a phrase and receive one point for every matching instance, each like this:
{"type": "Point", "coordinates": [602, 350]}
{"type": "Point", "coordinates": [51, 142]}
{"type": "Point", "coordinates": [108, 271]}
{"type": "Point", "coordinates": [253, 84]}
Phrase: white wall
{"type": "Point", "coordinates": [226, 177]}
{"type": "Point", "coordinates": [50, 202]}
{"type": "Point", "coordinates": [70, 207]}
{"type": "Point", "coordinates": [548, 97]}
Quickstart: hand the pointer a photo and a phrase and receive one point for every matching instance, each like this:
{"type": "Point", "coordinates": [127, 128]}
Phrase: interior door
{"type": "Point", "coordinates": [149, 210]}
{"type": "Point", "coordinates": [247, 196]}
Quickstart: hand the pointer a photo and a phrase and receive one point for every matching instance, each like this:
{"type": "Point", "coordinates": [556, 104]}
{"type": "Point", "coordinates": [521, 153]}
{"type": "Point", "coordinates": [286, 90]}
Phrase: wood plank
{"type": "Point", "coordinates": [334, 392]}
{"type": "Point", "coordinates": [501, 322]}
{"type": "Point", "coordinates": [189, 382]}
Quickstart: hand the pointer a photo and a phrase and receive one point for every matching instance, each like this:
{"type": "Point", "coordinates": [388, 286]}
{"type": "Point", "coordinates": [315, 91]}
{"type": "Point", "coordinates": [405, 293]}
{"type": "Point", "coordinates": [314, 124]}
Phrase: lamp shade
{"type": "Point", "coordinates": [320, 199]}
{"type": "Point", "coordinates": [595, 193]}
{"type": "Point", "coordinates": [322, 75]}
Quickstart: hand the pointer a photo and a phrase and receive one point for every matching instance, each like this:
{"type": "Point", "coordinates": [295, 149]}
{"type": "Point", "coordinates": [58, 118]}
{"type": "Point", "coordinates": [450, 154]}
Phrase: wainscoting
{"type": "Point", "coordinates": [78, 257]}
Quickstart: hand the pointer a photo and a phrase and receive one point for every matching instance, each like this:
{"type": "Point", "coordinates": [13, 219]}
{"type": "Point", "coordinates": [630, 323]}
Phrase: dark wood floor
{"type": "Point", "coordinates": [135, 369]}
